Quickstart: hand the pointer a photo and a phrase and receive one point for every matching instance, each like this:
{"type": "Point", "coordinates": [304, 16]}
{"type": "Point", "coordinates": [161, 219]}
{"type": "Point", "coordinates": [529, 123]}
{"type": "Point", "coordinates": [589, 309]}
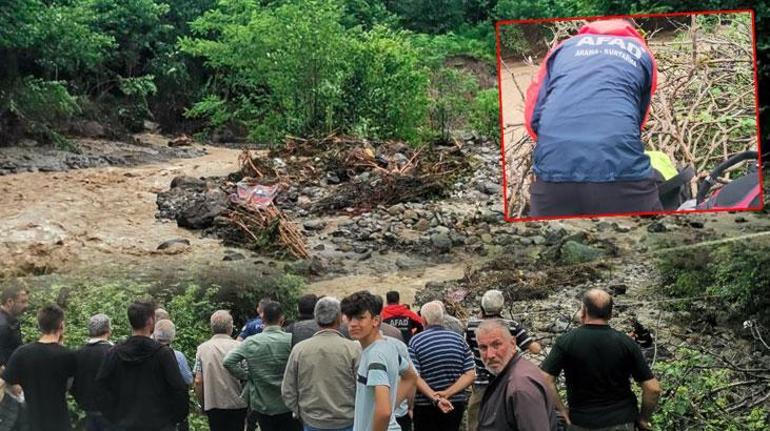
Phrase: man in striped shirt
{"type": "Point", "coordinates": [491, 306]}
{"type": "Point", "coordinates": [445, 365]}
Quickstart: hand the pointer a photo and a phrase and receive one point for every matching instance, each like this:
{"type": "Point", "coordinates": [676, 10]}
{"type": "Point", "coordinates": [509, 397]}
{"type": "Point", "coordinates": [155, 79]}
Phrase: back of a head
{"type": "Point", "coordinates": [165, 331]}
{"type": "Point", "coordinates": [50, 318]}
{"type": "Point", "coordinates": [492, 302]}
{"type": "Point", "coordinates": [597, 304]}
{"type": "Point", "coordinates": [392, 297]}
{"type": "Point", "coordinates": [140, 313]}
{"type": "Point", "coordinates": [98, 325]}
{"type": "Point", "coordinates": [272, 313]}
{"type": "Point", "coordinates": [221, 322]}
{"type": "Point", "coordinates": [327, 311]}
{"type": "Point", "coordinates": [306, 305]}
{"type": "Point", "coordinates": [263, 302]}
{"type": "Point", "coordinates": [358, 303]}
{"type": "Point", "coordinates": [433, 313]}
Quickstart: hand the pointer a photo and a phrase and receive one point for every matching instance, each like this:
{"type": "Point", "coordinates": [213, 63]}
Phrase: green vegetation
{"type": "Point", "coordinates": [734, 272]}
{"type": "Point", "coordinates": [697, 394]}
{"type": "Point", "coordinates": [266, 68]}
{"type": "Point", "coordinates": [190, 307]}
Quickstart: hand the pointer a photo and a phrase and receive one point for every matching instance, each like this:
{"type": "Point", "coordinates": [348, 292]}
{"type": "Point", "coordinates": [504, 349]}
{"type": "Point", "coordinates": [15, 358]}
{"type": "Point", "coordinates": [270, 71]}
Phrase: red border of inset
{"type": "Point", "coordinates": [500, 23]}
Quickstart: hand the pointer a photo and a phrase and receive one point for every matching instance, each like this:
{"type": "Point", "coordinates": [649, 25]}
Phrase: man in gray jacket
{"type": "Point", "coordinates": [319, 384]}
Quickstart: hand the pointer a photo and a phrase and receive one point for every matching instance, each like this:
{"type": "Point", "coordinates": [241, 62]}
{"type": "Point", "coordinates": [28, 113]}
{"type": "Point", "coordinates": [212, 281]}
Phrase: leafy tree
{"type": "Point", "coordinates": [451, 95]}
{"type": "Point", "coordinates": [297, 69]}
{"type": "Point", "coordinates": [430, 16]}
{"type": "Point", "coordinates": [386, 92]}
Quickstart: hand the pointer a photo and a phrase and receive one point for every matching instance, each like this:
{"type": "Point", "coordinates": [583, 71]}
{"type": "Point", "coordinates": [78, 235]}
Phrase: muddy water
{"type": "Point", "coordinates": [406, 282]}
{"type": "Point", "coordinates": [515, 77]}
{"type": "Point", "coordinates": [91, 224]}
{"type": "Point", "coordinates": [82, 219]}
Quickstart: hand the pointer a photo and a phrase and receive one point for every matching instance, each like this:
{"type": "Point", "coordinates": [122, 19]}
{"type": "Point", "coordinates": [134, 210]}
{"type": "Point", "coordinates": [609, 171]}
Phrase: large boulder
{"type": "Point", "coordinates": [573, 252]}
{"type": "Point", "coordinates": [201, 213]}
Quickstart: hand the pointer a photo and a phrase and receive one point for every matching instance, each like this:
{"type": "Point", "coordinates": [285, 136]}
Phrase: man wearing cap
{"type": "Point", "coordinates": [585, 110]}
{"type": "Point", "coordinates": [491, 308]}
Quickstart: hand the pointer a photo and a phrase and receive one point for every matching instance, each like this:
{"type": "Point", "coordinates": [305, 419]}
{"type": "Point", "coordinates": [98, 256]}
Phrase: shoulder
{"type": "Point", "coordinates": [452, 336]}
{"type": "Point", "coordinates": [525, 375]}
{"type": "Point", "coordinates": [205, 345]}
{"type": "Point", "coordinates": [569, 336]}
{"type": "Point", "coordinates": [25, 350]}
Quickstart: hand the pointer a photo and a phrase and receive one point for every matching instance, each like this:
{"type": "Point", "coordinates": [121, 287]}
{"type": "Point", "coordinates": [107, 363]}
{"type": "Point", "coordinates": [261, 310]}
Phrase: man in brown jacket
{"type": "Point", "coordinates": [517, 398]}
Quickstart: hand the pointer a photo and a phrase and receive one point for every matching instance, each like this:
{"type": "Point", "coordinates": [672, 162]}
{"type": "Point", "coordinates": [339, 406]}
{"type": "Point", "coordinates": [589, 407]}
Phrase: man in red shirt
{"type": "Point", "coordinates": [401, 316]}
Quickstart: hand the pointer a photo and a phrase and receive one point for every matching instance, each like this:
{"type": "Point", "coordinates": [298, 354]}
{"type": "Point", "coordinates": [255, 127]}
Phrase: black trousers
{"type": "Point", "coordinates": [570, 199]}
{"type": "Point", "coordinates": [226, 419]}
{"type": "Point", "coordinates": [282, 422]}
{"type": "Point", "coordinates": [429, 418]}
{"type": "Point", "coordinates": [405, 422]}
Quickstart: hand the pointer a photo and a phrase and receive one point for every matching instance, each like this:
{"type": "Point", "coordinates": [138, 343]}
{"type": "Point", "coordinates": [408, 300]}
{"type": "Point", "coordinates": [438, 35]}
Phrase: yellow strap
{"type": "Point", "coordinates": [662, 163]}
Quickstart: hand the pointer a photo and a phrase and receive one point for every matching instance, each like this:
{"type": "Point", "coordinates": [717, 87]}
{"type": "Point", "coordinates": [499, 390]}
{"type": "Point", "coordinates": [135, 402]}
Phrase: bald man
{"type": "Point", "coordinates": [598, 363]}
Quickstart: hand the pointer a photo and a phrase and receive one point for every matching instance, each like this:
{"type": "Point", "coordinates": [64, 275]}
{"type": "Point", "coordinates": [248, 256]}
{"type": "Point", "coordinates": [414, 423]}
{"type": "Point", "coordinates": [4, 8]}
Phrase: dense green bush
{"type": "Point", "coordinates": [694, 396]}
{"type": "Point", "coordinates": [385, 94]}
{"type": "Point", "coordinates": [484, 116]}
{"type": "Point", "coordinates": [451, 98]}
{"type": "Point", "coordinates": [297, 69]}
{"type": "Point", "coordinates": [268, 66]}
{"type": "Point", "coordinates": [736, 272]}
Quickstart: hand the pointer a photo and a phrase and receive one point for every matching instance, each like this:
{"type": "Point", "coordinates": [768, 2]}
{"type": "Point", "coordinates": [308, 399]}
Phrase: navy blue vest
{"type": "Point", "coordinates": [589, 110]}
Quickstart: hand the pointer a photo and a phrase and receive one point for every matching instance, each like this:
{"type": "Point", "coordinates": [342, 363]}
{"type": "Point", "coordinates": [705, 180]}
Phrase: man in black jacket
{"type": "Point", "coordinates": [89, 359]}
{"type": "Point", "coordinates": [140, 382]}
{"type": "Point", "coordinates": [13, 302]}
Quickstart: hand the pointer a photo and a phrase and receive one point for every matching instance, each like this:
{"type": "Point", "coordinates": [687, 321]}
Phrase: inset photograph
{"type": "Point", "coordinates": [631, 115]}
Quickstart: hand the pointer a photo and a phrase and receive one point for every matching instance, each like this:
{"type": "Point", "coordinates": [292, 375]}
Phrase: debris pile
{"type": "Point", "coordinates": [319, 177]}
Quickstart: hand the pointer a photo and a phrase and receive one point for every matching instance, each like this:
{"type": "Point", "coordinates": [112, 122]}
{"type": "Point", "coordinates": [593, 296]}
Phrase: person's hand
{"type": "Point", "coordinates": [643, 425]}
{"type": "Point", "coordinates": [565, 416]}
{"type": "Point", "coordinates": [445, 405]}
{"type": "Point", "coordinates": [442, 394]}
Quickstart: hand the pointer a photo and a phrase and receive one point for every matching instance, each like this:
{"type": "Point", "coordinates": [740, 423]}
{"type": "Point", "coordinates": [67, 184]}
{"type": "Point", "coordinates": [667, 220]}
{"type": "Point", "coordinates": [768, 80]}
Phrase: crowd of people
{"type": "Point", "coordinates": [351, 364]}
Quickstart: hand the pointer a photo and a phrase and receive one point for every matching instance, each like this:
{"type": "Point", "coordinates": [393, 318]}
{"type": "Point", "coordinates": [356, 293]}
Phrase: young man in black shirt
{"type": "Point", "coordinates": [42, 369]}
{"type": "Point", "coordinates": [599, 362]}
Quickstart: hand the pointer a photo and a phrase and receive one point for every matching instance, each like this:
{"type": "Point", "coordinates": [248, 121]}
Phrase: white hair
{"type": "Point", "coordinates": [165, 331]}
{"type": "Point", "coordinates": [327, 310]}
{"type": "Point", "coordinates": [433, 313]}
{"type": "Point", "coordinates": [98, 325]}
{"type": "Point", "coordinates": [221, 322]}
{"type": "Point", "coordinates": [492, 302]}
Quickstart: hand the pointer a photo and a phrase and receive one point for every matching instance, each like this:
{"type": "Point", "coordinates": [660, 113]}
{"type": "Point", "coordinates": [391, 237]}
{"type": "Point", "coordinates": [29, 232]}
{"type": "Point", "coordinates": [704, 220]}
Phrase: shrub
{"type": "Point", "coordinates": [736, 272]}
{"type": "Point", "coordinates": [696, 393]}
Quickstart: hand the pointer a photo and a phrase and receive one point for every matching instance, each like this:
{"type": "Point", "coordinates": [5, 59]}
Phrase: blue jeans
{"type": "Point", "coordinates": [307, 427]}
